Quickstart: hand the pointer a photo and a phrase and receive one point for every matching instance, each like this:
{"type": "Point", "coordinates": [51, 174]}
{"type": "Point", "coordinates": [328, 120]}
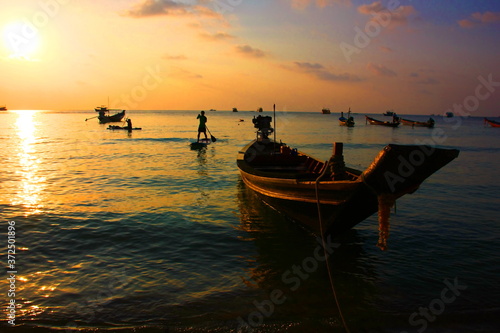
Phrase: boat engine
{"type": "Point", "coordinates": [263, 125]}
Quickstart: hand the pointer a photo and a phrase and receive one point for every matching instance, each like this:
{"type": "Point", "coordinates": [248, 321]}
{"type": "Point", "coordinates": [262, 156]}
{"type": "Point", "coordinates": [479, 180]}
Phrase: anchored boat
{"type": "Point", "coordinates": [104, 116]}
{"type": "Point", "coordinates": [492, 123]}
{"type": "Point", "coordinates": [394, 123]}
{"type": "Point", "coordinates": [349, 121]}
{"type": "Point", "coordinates": [429, 123]}
{"type": "Point", "coordinates": [296, 183]}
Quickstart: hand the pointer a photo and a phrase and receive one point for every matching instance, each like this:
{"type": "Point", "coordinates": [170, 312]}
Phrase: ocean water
{"type": "Point", "coordinates": [137, 232]}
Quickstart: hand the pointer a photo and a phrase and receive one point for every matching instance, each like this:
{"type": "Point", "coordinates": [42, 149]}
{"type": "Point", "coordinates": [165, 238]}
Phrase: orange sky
{"type": "Point", "coordinates": [300, 54]}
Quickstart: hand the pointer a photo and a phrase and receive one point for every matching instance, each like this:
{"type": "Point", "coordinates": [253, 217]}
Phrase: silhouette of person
{"type": "Point", "coordinates": [202, 127]}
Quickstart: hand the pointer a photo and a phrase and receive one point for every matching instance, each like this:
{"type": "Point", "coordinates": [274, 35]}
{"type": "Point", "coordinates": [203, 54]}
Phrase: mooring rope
{"type": "Point", "coordinates": [324, 247]}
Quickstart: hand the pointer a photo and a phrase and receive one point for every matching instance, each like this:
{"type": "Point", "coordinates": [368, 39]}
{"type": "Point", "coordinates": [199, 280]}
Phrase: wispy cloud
{"type": "Point", "coordinates": [174, 57]}
{"type": "Point", "coordinates": [398, 17]}
{"type": "Point", "coordinates": [216, 36]}
{"type": "Point", "coordinates": [480, 19]}
{"type": "Point", "coordinates": [184, 74]}
{"type": "Point", "coordinates": [428, 81]}
{"type": "Point", "coordinates": [385, 49]}
{"type": "Point", "coordinates": [249, 51]}
{"type": "Point", "coordinates": [303, 4]}
{"type": "Point", "coordinates": [319, 71]}
{"type": "Point", "coordinates": [381, 70]}
{"type": "Point", "coordinates": [169, 7]}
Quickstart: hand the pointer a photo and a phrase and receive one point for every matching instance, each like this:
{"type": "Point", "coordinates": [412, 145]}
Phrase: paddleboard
{"type": "Point", "coordinates": [200, 144]}
{"type": "Point", "coordinates": [112, 127]}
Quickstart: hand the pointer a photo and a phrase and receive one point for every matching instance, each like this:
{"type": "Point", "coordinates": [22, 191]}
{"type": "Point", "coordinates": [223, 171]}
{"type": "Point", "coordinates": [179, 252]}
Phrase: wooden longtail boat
{"type": "Point", "coordinates": [115, 118]}
{"type": "Point", "coordinates": [429, 123]}
{"type": "Point", "coordinates": [296, 183]}
{"type": "Point", "coordinates": [349, 121]}
{"type": "Point", "coordinates": [382, 123]}
{"type": "Point", "coordinates": [492, 123]}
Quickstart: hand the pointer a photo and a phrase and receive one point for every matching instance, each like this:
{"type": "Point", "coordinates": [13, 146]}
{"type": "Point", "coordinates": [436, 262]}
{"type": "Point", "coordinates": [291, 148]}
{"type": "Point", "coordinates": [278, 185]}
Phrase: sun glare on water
{"type": "Point", "coordinates": [21, 40]}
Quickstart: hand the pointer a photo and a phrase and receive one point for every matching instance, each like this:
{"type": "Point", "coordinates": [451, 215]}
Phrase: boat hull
{"type": "Point", "coordinates": [103, 119]}
{"type": "Point", "coordinates": [290, 186]}
{"type": "Point", "coordinates": [492, 123]}
{"type": "Point", "coordinates": [346, 122]}
{"type": "Point", "coordinates": [407, 122]}
{"type": "Point", "coordinates": [373, 121]}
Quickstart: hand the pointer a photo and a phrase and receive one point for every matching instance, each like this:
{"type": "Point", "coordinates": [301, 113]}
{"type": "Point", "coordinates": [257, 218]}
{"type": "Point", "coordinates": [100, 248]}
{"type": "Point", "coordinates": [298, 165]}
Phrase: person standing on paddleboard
{"type": "Point", "coordinates": [202, 128]}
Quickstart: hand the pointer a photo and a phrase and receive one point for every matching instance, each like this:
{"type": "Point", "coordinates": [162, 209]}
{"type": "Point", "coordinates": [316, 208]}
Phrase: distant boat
{"type": "Point", "coordinates": [389, 113]}
{"type": "Point", "coordinates": [235, 110]}
{"type": "Point", "coordinates": [382, 123]}
{"type": "Point", "coordinates": [3, 108]}
{"type": "Point", "coordinates": [492, 123]}
{"type": "Point", "coordinates": [212, 110]}
{"type": "Point", "coordinates": [429, 123]}
{"type": "Point", "coordinates": [325, 111]}
{"type": "Point", "coordinates": [260, 110]}
{"type": "Point", "coordinates": [106, 118]}
{"type": "Point", "coordinates": [349, 121]}
{"type": "Point", "coordinates": [449, 114]}
{"type": "Point", "coordinates": [296, 183]}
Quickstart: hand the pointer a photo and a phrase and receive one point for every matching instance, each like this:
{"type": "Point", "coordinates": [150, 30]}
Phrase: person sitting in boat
{"type": "Point", "coordinates": [129, 124]}
{"type": "Point", "coordinates": [202, 127]}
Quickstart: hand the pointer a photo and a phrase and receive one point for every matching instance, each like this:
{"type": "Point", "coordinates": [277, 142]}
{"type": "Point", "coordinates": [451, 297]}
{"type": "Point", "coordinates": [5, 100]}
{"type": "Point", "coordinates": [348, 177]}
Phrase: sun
{"type": "Point", "coordinates": [22, 40]}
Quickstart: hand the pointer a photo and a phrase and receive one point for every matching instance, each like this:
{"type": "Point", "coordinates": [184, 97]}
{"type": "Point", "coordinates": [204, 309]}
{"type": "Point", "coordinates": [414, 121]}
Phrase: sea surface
{"type": "Point", "coordinates": [118, 231]}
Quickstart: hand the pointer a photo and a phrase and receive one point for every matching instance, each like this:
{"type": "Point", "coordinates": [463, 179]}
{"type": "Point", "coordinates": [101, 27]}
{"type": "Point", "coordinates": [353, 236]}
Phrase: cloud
{"type": "Point", "coordinates": [184, 74]}
{"type": "Point", "coordinates": [303, 4]}
{"type": "Point", "coordinates": [216, 36]}
{"type": "Point", "coordinates": [398, 16]}
{"type": "Point", "coordinates": [174, 57]}
{"type": "Point", "coordinates": [385, 49]}
{"type": "Point", "coordinates": [170, 8]}
{"type": "Point", "coordinates": [428, 81]}
{"type": "Point", "coordinates": [319, 71]}
{"type": "Point", "coordinates": [249, 51]}
{"type": "Point", "coordinates": [478, 19]}
{"type": "Point", "coordinates": [380, 70]}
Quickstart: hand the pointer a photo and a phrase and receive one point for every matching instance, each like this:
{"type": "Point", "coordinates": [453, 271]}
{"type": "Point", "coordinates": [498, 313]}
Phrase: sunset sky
{"type": "Point", "coordinates": [416, 57]}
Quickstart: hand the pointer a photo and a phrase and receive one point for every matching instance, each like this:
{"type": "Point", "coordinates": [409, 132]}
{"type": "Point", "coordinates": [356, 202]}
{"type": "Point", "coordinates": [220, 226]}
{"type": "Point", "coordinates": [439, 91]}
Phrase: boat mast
{"type": "Point", "coordinates": [274, 116]}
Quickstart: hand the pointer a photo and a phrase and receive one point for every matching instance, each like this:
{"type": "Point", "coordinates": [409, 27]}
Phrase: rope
{"type": "Point", "coordinates": [324, 247]}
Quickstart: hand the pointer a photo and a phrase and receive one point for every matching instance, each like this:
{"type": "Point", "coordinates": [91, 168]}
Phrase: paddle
{"type": "Point", "coordinates": [91, 118]}
{"type": "Point", "coordinates": [213, 138]}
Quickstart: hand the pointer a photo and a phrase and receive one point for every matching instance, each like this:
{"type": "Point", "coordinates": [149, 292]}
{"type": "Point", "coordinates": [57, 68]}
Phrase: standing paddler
{"type": "Point", "coordinates": [202, 127]}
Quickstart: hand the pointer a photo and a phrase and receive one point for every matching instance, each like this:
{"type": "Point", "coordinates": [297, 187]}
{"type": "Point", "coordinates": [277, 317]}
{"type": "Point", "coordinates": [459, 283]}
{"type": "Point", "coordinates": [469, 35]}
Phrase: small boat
{"type": "Point", "coordinates": [394, 123]}
{"type": "Point", "coordinates": [449, 115]}
{"type": "Point", "coordinates": [201, 143]}
{"type": "Point", "coordinates": [212, 110]}
{"type": "Point", "coordinates": [429, 123]}
{"type": "Point", "coordinates": [260, 110]}
{"type": "Point", "coordinates": [115, 118]}
{"type": "Point", "coordinates": [389, 113]}
{"type": "Point", "coordinates": [492, 123]}
{"type": "Point", "coordinates": [325, 111]}
{"type": "Point", "coordinates": [3, 108]}
{"type": "Point", "coordinates": [349, 121]}
{"type": "Point", "coordinates": [296, 183]}
{"type": "Point", "coordinates": [235, 110]}
{"type": "Point", "coordinates": [114, 127]}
